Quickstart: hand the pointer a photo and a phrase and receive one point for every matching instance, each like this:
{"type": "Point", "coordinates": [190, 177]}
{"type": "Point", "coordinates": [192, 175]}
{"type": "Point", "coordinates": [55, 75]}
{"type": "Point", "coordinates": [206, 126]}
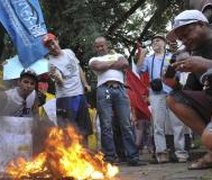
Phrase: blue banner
{"type": "Point", "coordinates": [23, 20]}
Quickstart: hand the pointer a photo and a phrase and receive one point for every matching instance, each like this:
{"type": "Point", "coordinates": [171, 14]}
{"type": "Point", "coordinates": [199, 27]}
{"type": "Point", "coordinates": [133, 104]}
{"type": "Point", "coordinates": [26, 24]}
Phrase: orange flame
{"type": "Point", "coordinates": [64, 156]}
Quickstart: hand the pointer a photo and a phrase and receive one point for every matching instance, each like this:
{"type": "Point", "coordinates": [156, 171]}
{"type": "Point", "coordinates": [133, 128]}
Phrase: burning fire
{"type": "Point", "coordinates": [63, 156]}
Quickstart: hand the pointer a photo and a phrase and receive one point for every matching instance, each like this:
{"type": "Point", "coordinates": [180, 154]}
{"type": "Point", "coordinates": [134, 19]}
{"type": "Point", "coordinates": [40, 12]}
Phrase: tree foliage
{"type": "Point", "coordinates": [78, 22]}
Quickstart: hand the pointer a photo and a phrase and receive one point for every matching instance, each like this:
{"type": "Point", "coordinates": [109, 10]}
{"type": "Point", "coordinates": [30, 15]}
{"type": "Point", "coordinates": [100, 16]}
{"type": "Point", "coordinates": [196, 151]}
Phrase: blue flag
{"type": "Point", "coordinates": [23, 20]}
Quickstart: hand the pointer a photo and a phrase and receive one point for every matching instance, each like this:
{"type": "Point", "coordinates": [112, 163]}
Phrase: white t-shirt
{"type": "Point", "coordinates": [15, 104]}
{"type": "Point", "coordinates": [68, 65]}
{"type": "Point", "coordinates": [111, 74]}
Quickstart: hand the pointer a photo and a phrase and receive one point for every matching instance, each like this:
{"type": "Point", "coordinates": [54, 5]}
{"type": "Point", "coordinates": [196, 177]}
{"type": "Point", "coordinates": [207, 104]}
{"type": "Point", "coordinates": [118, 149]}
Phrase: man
{"type": "Point", "coordinates": [192, 105]}
{"type": "Point", "coordinates": [19, 111]}
{"type": "Point", "coordinates": [162, 116]}
{"type": "Point", "coordinates": [21, 101]}
{"type": "Point", "coordinates": [70, 83]}
{"type": "Point", "coordinates": [205, 6]}
{"type": "Point", "coordinates": [112, 98]}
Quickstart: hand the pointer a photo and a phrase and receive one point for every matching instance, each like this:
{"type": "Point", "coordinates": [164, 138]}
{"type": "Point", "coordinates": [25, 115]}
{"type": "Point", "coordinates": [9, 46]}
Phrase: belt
{"type": "Point", "coordinates": [112, 84]}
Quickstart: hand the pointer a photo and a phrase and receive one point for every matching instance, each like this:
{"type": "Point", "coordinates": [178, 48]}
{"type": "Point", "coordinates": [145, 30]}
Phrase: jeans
{"type": "Point", "coordinates": [160, 114]}
{"type": "Point", "coordinates": [109, 101]}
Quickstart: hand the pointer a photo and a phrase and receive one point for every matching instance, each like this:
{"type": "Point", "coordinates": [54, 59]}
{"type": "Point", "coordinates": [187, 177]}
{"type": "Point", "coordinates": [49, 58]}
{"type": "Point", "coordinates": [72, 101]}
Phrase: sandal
{"type": "Point", "coordinates": [203, 163]}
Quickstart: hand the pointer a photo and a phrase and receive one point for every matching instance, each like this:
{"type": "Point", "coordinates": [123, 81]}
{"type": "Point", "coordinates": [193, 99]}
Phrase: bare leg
{"type": "Point", "coordinates": [207, 136]}
{"type": "Point", "coordinates": [195, 122]}
{"type": "Point", "coordinates": [187, 115]}
{"type": "Point", "coordinates": [206, 139]}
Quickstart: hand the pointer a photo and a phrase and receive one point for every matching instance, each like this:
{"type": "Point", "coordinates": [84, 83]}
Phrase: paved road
{"type": "Point", "coordinates": [168, 171]}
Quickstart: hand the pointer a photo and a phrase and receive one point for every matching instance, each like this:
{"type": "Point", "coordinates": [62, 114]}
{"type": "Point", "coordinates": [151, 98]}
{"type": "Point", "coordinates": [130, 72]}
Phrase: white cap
{"type": "Point", "coordinates": [185, 18]}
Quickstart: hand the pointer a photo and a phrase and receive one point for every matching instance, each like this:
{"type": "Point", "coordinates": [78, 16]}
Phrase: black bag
{"type": "Point", "coordinates": [156, 85]}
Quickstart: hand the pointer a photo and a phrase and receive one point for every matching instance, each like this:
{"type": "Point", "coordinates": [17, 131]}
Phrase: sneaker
{"type": "Point", "coordinates": [110, 159]}
{"type": "Point", "coordinates": [136, 163]}
{"type": "Point", "coordinates": [162, 157]}
{"type": "Point", "coordinates": [182, 157]}
{"type": "Point", "coordinates": [182, 160]}
{"type": "Point", "coordinates": [113, 161]}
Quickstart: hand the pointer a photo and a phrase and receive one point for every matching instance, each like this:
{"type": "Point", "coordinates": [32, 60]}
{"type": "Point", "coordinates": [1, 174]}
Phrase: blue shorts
{"type": "Point", "coordinates": [74, 110]}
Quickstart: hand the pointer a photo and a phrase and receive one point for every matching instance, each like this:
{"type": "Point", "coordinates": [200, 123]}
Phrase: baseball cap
{"type": "Point", "coordinates": [48, 37]}
{"type": "Point", "coordinates": [29, 72]}
{"type": "Point", "coordinates": [161, 36]}
{"type": "Point", "coordinates": [185, 18]}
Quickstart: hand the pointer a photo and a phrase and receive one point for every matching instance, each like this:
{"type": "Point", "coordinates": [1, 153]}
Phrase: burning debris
{"type": "Point", "coordinates": [63, 157]}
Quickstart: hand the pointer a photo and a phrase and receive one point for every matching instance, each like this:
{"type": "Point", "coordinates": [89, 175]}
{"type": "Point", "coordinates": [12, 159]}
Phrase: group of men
{"type": "Point", "coordinates": [189, 104]}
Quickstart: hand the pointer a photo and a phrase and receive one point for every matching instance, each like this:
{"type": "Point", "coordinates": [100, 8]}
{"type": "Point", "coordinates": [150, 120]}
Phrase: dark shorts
{"type": "Point", "coordinates": [74, 111]}
{"type": "Point", "coordinates": [199, 101]}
